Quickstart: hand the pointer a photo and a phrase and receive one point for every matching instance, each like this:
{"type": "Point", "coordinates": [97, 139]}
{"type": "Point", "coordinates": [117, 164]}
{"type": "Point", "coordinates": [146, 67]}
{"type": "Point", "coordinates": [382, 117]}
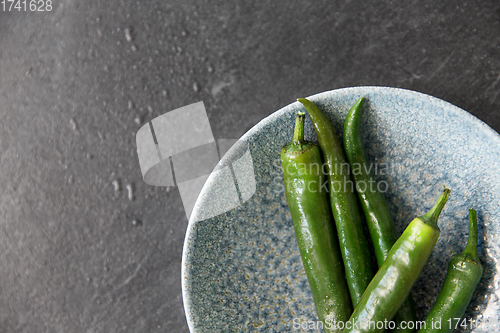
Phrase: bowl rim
{"type": "Point", "coordinates": [481, 127]}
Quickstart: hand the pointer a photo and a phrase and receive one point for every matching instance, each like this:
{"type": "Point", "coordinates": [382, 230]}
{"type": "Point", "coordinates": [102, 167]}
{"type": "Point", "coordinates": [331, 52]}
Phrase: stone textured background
{"type": "Point", "coordinates": [85, 244]}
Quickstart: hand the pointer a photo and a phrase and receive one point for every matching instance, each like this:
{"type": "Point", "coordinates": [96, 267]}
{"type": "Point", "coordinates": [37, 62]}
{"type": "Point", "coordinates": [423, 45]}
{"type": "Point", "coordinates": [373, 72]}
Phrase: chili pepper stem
{"type": "Point", "coordinates": [298, 132]}
{"type": "Point", "coordinates": [471, 247]}
{"type": "Point", "coordinates": [431, 218]}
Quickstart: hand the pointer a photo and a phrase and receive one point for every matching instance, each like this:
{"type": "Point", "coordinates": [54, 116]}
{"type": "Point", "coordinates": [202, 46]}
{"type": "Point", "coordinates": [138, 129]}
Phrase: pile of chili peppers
{"type": "Point", "coordinates": [349, 294]}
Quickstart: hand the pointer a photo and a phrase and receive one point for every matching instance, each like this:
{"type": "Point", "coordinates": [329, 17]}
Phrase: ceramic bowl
{"type": "Point", "coordinates": [242, 271]}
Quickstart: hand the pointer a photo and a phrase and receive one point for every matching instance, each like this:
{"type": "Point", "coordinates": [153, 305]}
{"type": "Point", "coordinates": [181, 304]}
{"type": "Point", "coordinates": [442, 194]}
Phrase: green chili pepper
{"type": "Point", "coordinates": [464, 273]}
{"type": "Point", "coordinates": [314, 230]}
{"type": "Point", "coordinates": [375, 208]}
{"type": "Point", "coordinates": [395, 278]}
{"type": "Point", "coordinates": [353, 243]}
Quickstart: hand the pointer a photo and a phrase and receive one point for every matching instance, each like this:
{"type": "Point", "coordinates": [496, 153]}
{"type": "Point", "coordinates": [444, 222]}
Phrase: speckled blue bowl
{"type": "Point", "coordinates": [242, 272]}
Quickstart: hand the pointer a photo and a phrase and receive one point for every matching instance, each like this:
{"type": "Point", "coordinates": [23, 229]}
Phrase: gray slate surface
{"type": "Point", "coordinates": [77, 83]}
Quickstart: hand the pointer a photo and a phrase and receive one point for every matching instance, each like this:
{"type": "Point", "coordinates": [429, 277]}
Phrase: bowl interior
{"type": "Point", "coordinates": [242, 269]}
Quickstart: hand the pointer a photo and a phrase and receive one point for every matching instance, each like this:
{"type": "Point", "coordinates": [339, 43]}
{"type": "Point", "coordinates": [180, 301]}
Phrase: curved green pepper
{"type": "Point", "coordinates": [464, 273]}
{"type": "Point", "coordinates": [353, 243]}
{"type": "Point", "coordinates": [395, 278]}
{"type": "Point", "coordinates": [375, 208]}
{"type": "Point", "coordinates": [314, 230]}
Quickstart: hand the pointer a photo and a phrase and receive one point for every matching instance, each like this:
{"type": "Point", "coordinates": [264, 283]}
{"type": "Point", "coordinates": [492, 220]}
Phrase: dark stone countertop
{"type": "Point", "coordinates": [77, 82]}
